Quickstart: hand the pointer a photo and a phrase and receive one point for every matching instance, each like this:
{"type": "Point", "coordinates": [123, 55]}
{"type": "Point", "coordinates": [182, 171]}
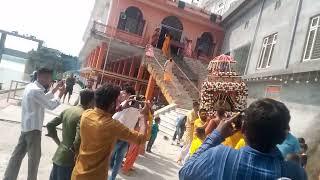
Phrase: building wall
{"type": "Point", "coordinates": [217, 6]}
{"type": "Point", "coordinates": [302, 99]}
{"type": "Point", "coordinates": [274, 21]}
{"type": "Point", "coordinates": [236, 35]}
{"type": "Point", "coordinates": [309, 9]}
{"type": "Point", "coordinates": [154, 16]}
{"type": "Point", "coordinates": [281, 21]}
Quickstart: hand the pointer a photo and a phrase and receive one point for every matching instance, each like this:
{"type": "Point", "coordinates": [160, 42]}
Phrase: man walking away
{"type": "Point", "coordinates": [70, 82]}
{"type": "Point", "coordinates": [265, 124]}
{"type": "Point", "coordinates": [63, 159]}
{"type": "Point", "coordinates": [34, 102]}
{"type": "Point", "coordinates": [180, 128]}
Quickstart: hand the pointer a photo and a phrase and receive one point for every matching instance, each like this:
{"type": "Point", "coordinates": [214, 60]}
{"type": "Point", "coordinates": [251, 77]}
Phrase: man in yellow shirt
{"type": "Point", "coordinates": [198, 140]}
{"type": "Point", "coordinates": [99, 133]}
{"type": "Point", "coordinates": [188, 135]}
{"type": "Point", "coordinates": [200, 123]}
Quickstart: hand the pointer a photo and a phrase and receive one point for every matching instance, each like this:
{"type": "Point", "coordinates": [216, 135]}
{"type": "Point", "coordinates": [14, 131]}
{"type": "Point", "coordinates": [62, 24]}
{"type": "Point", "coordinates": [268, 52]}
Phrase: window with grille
{"type": "Point", "coordinates": [277, 4]}
{"type": "Point", "coordinates": [312, 47]}
{"type": "Point", "coordinates": [267, 51]}
{"type": "Point", "coordinates": [220, 9]}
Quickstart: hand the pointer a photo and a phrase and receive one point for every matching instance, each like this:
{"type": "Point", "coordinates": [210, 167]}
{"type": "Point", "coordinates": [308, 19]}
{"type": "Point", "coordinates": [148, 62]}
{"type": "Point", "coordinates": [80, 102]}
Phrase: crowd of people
{"type": "Point", "coordinates": [256, 144]}
{"type": "Point", "coordinates": [111, 124]}
{"type": "Point", "coordinates": [96, 134]}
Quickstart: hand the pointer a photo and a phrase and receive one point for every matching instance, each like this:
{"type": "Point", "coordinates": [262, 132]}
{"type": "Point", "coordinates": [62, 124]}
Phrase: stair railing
{"type": "Point", "coordinates": [162, 68]}
{"type": "Point", "coordinates": [184, 74]}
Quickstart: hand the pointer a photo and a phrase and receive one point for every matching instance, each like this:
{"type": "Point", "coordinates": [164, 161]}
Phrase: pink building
{"type": "Point", "coordinates": [119, 30]}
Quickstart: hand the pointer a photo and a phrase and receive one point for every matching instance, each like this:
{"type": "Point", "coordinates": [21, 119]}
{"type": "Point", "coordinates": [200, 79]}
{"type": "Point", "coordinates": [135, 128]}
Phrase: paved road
{"type": "Point", "coordinates": [159, 165]}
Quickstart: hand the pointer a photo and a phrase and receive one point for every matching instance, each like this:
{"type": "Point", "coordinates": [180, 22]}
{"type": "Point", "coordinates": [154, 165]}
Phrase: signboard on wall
{"type": "Point", "coordinates": [273, 92]}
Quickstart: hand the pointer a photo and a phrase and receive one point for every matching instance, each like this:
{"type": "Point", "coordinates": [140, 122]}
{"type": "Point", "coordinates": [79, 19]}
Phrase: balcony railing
{"type": "Point", "coordinates": [107, 31]}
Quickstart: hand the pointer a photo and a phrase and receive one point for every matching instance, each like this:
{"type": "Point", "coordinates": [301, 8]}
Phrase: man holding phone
{"type": "Point", "coordinates": [34, 102]}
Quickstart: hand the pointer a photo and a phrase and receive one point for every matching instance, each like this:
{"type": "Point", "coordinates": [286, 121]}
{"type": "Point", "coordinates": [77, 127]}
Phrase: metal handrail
{"type": "Point", "coordinates": [23, 83]}
{"type": "Point", "coordinates": [184, 74]}
{"type": "Point", "coordinates": [159, 63]}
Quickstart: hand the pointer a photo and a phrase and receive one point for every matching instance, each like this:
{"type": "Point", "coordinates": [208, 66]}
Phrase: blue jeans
{"type": "Point", "coordinates": [118, 154]}
{"type": "Point", "coordinates": [60, 173]}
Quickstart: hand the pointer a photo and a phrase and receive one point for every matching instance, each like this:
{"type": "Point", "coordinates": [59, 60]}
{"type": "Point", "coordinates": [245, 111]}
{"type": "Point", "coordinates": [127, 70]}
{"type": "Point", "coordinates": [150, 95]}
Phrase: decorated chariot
{"type": "Point", "coordinates": [223, 87]}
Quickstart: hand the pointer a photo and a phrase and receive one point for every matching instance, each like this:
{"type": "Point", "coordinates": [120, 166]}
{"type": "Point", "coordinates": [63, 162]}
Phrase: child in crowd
{"type": "Point", "coordinates": [200, 135]}
{"type": "Point", "coordinates": [154, 133]}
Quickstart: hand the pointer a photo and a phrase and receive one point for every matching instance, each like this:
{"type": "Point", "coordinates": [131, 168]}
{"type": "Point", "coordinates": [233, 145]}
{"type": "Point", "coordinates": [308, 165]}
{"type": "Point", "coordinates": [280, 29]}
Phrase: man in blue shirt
{"type": "Point", "coordinates": [289, 145]}
{"type": "Point", "coordinates": [180, 128]}
{"type": "Point", "coordinates": [264, 125]}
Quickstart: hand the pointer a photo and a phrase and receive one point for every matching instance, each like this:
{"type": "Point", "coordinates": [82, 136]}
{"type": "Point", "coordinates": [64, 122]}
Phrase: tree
{"type": "Point", "coordinates": [44, 57]}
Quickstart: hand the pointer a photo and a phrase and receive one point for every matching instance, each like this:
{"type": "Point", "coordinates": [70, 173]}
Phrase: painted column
{"type": "Point", "coordinates": [119, 71]}
{"type": "Point", "coordinates": [132, 68]}
{"type": "Point", "coordinates": [150, 88]}
{"type": "Point", "coordinates": [87, 64]}
{"type": "Point", "coordinates": [115, 67]}
{"type": "Point", "coordinates": [92, 58]}
{"type": "Point", "coordinates": [101, 56]}
{"type": "Point", "coordinates": [125, 67]}
{"type": "Point", "coordinates": [96, 55]}
{"type": "Point", "coordinates": [140, 74]}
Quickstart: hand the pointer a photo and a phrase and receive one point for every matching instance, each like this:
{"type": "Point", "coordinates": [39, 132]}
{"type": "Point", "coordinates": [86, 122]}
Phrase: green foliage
{"type": "Point", "coordinates": [44, 57]}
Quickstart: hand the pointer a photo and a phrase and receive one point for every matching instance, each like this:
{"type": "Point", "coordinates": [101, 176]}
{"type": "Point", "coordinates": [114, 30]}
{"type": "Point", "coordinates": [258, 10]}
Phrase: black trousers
{"type": "Point", "coordinates": [150, 143]}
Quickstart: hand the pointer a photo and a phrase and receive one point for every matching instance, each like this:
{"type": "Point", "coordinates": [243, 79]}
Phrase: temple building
{"type": "Point", "coordinates": [115, 47]}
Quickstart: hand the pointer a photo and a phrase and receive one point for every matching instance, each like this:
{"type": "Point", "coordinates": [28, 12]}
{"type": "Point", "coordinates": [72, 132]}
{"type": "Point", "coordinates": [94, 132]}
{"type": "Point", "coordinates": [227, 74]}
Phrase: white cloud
{"type": "Point", "coordinates": [60, 23]}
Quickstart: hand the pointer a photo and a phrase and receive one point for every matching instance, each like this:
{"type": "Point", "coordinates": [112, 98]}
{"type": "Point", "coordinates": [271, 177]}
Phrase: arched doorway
{"type": "Point", "coordinates": [205, 45]}
{"type": "Point", "coordinates": [132, 21]}
{"type": "Point", "coordinates": [173, 26]}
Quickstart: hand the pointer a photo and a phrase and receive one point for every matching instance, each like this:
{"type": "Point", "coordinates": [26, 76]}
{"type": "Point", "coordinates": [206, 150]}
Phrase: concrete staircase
{"type": "Point", "coordinates": [174, 92]}
{"type": "Point", "coordinates": [180, 93]}
{"type": "Point", "coordinates": [186, 77]}
{"type": "Point", "coordinates": [168, 120]}
{"type": "Point", "coordinates": [198, 68]}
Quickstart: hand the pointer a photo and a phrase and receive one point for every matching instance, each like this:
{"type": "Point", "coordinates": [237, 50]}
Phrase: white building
{"type": "Point", "coordinates": [218, 7]}
{"type": "Point", "coordinates": [277, 46]}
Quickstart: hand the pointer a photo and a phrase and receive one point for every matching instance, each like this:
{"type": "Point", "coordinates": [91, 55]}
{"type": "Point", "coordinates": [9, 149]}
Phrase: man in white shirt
{"type": "Point", "coordinates": [129, 117]}
{"type": "Point", "coordinates": [34, 102]}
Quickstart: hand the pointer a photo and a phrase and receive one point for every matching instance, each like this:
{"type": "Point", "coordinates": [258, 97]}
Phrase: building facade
{"type": "Point", "coordinates": [276, 44]}
{"type": "Point", "coordinates": [119, 30]}
{"type": "Point", "coordinates": [218, 7]}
